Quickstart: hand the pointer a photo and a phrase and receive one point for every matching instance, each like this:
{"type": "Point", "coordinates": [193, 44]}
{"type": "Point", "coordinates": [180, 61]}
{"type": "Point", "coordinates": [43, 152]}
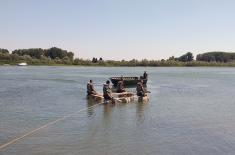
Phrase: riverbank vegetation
{"type": "Point", "coordinates": [57, 56]}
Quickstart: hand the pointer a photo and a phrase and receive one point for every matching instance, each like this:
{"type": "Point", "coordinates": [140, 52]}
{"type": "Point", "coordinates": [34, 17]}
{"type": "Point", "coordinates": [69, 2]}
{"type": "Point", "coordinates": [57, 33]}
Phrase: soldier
{"type": "Point", "coordinates": [140, 89]}
{"type": "Point", "coordinates": [145, 75]}
{"type": "Point", "coordinates": [107, 92]}
{"type": "Point", "coordinates": [90, 88]}
{"type": "Point", "coordinates": [120, 86]}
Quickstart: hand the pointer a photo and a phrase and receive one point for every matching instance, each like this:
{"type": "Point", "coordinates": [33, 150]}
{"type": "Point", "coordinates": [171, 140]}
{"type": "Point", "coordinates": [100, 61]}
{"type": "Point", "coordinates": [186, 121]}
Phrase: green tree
{"type": "Point", "coordinates": [66, 60]}
{"type": "Point", "coordinates": [70, 55]}
{"type": "Point", "coordinates": [32, 52]}
{"type": "Point", "coordinates": [55, 52]}
{"type": "Point", "coordinates": [4, 51]}
{"type": "Point", "coordinates": [216, 56]}
{"type": "Point", "coordinates": [186, 57]}
{"type": "Point", "coordinates": [171, 58]}
{"type": "Point", "coordinates": [94, 60]}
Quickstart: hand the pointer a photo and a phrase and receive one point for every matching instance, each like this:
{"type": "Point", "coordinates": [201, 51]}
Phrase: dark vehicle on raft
{"type": "Point", "coordinates": [128, 81]}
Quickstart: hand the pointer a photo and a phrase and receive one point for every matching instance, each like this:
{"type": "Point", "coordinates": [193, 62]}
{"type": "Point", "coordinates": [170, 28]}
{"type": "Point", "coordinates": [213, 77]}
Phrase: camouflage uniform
{"type": "Point", "coordinates": [120, 87]}
{"type": "Point", "coordinates": [140, 89]}
{"type": "Point", "coordinates": [107, 93]}
{"type": "Point", "coordinates": [90, 89]}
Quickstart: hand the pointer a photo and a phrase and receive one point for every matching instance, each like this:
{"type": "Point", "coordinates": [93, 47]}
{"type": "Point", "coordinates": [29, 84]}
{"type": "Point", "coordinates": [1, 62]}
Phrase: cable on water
{"type": "Point", "coordinates": [2, 146]}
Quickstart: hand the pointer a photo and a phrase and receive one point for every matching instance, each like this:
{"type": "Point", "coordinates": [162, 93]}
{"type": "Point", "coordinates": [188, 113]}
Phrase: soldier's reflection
{"type": "Point", "coordinates": [90, 107]}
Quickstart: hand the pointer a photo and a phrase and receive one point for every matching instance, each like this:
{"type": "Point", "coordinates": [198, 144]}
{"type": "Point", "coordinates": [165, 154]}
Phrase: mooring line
{"type": "Point", "coordinates": [43, 126]}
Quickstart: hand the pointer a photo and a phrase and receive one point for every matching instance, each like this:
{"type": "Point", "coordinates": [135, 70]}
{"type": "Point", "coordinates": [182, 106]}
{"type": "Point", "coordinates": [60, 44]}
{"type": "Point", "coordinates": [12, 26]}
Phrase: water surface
{"type": "Point", "coordinates": [191, 111]}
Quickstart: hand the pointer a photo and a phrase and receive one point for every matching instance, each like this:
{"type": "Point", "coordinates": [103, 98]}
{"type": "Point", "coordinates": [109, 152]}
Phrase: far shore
{"type": "Point", "coordinates": [58, 57]}
{"type": "Point", "coordinates": [161, 64]}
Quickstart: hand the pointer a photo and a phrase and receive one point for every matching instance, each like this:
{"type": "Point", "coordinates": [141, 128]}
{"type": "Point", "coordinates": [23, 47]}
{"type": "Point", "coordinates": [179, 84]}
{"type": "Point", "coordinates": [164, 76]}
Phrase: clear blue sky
{"type": "Point", "coordinates": [119, 29]}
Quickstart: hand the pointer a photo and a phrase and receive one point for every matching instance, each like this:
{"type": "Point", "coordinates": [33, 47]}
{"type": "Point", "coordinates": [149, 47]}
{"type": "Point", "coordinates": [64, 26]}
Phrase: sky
{"type": "Point", "coordinates": [119, 29]}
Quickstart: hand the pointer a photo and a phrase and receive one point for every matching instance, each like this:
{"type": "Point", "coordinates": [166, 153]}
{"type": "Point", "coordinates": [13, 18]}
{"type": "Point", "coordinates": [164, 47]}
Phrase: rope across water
{"type": "Point", "coordinates": [2, 146]}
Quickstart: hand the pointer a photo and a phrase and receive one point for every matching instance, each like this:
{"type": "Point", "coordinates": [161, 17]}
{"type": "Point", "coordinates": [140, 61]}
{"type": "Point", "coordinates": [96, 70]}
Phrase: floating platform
{"type": "Point", "coordinates": [123, 94]}
{"type": "Point", "coordinates": [98, 98]}
{"type": "Point", "coordinates": [143, 99]}
{"type": "Point", "coordinates": [125, 97]}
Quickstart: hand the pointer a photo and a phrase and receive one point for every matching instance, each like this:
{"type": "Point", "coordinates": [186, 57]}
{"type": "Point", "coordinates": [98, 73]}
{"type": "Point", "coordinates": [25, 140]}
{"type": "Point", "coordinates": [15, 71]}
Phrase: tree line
{"type": "Point", "coordinates": [39, 56]}
{"type": "Point", "coordinates": [216, 57]}
{"type": "Point", "coordinates": [54, 56]}
{"type": "Point", "coordinates": [37, 53]}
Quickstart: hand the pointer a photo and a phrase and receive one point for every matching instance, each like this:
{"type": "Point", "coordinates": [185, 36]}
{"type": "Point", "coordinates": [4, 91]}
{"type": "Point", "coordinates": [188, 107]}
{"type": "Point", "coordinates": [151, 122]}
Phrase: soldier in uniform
{"type": "Point", "coordinates": [120, 86]}
{"type": "Point", "coordinates": [107, 92]}
{"type": "Point", "coordinates": [90, 88]}
{"type": "Point", "coordinates": [145, 75]}
{"type": "Point", "coordinates": [140, 89]}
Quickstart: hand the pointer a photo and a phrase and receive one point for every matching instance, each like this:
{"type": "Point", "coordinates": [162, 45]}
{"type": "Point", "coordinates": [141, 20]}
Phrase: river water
{"type": "Point", "coordinates": [191, 111]}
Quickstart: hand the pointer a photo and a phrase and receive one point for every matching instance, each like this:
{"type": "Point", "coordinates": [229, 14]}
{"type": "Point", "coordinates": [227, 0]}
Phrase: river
{"type": "Point", "coordinates": [191, 111]}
